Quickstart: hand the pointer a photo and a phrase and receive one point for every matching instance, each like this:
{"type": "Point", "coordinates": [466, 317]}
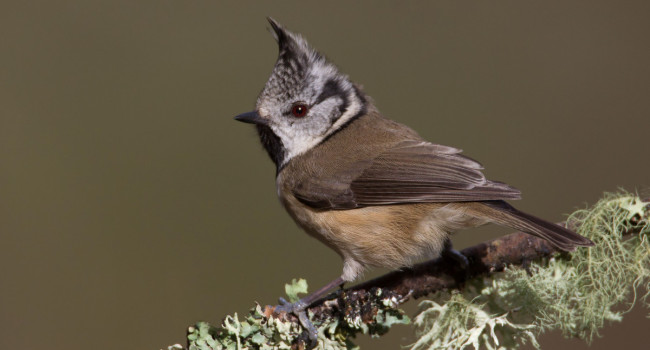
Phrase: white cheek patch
{"type": "Point", "coordinates": [303, 136]}
{"type": "Point", "coordinates": [327, 111]}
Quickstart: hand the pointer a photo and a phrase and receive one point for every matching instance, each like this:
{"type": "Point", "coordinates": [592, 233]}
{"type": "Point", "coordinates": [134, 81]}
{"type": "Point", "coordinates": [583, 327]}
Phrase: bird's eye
{"type": "Point", "coordinates": [299, 110]}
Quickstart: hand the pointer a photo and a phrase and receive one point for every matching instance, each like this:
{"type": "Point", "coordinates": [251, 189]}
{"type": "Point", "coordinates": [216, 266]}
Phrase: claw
{"type": "Point", "coordinates": [291, 308]}
{"type": "Point", "coordinates": [457, 257]}
{"type": "Point", "coordinates": [312, 332]}
{"type": "Point", "coordinates": [449, 252]}
{"type": "Point", "coordinates": [299, 308]}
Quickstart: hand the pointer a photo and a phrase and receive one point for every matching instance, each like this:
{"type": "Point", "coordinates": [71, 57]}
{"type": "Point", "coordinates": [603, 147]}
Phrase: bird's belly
{"type": "Point", "coordinates": [385, 236]}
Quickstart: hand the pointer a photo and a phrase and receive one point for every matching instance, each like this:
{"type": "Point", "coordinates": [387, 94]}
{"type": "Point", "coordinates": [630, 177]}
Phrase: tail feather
{"type": "Point", "coordinates": [559, 236]}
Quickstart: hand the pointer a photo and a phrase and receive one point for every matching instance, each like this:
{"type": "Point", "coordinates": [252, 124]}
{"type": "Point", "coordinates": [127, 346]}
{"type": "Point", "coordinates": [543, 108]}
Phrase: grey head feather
{"type": "Point", "coordinates": [302, 75]}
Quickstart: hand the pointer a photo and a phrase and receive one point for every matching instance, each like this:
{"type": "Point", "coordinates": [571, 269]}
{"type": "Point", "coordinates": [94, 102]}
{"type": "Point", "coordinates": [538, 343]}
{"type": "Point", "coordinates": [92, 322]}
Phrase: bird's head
{"type": "Point", "coordinates": [305, 100]}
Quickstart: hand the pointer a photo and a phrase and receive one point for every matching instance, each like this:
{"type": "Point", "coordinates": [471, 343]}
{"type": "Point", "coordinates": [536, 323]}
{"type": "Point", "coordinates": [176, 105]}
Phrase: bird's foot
{"type": "Point", "coordinates": [452, 254]}
{"type": "Point", "coordinates": [299, 309]}
{"type": "Point", "coordinates": [457, 256]}
{"type": "Point", "coordinates": [461, 271]}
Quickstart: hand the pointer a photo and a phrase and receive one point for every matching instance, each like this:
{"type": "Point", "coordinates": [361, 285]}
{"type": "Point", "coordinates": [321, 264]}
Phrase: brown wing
{"type": "Point", "coordinates": [410, 172]}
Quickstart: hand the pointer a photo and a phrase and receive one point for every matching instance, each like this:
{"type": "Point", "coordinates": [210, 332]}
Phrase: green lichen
{"type": "Point", "coordinates": [259, 331]}
{"type": "Point", "coordinates": [294, 288]}
{"type": "Point", "coordinates": [254, 332]}
{"type": "Point", "coordinates": [575, 294]}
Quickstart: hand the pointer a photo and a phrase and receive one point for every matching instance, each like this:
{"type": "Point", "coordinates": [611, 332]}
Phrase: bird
{"type": "Point", "coordinates": [368, 187]}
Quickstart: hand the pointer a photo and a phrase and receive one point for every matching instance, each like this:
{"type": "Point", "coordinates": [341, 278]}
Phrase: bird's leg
{"type": "Point", "coordinates": [449, 252]}
{"type": "Point", "coordinates": [299, 308]}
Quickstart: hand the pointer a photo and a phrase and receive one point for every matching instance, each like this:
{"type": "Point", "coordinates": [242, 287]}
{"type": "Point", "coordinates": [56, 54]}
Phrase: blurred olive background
{"type": "Point", "coordinates": [132, 205]}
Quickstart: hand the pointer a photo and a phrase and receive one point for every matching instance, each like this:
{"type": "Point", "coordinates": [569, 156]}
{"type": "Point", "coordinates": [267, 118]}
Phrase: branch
{"type": "Point", "coordinates": [370, 307]}
{"type": "Point", "coordinates": [516, 249]}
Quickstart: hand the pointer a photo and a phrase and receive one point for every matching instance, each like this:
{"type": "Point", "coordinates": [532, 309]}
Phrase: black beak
{"type": "Point", "coordinates": [251, 117]}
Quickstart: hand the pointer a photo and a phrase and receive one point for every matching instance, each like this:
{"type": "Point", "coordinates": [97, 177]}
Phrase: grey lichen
{"type": "Point", "coordinates": [373, 315]}
{"type": "Point", "coordinates": [575, 294]}
{"type": "Point", "coordinates": [459, 323]}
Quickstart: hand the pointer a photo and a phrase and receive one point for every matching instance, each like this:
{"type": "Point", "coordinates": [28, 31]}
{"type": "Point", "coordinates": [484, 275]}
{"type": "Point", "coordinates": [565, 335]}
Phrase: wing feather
{"type": "Point", "coordinates": [410, 172]}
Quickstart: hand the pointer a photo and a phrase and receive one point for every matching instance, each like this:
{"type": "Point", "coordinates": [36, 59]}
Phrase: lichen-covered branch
{"type": "Point", "coordinates": [516, 249]}
{"type": "Point", "coordinates": [576, 294]}
{"type": "Point", "coordinates": [577, 303]}
{"type": "Point", "coordinates": [441, 274]}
